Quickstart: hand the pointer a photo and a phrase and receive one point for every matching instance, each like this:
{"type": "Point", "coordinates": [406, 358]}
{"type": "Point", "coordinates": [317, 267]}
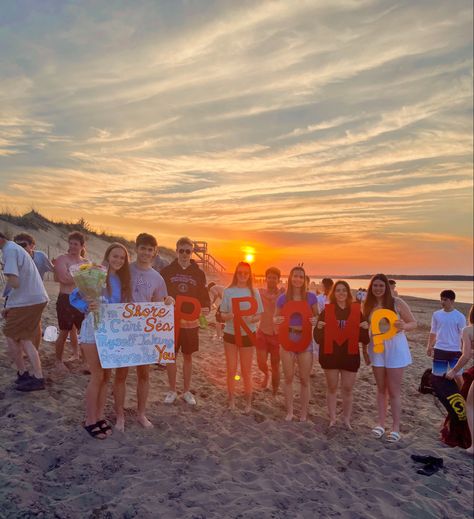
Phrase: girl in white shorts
{"type": "Point", "coordinates": [388, 366]}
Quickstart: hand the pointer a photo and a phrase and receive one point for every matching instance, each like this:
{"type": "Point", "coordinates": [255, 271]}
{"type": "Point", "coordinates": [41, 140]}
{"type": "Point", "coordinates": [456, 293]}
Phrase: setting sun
{"type": "Point", "coordinates": [249, 253]}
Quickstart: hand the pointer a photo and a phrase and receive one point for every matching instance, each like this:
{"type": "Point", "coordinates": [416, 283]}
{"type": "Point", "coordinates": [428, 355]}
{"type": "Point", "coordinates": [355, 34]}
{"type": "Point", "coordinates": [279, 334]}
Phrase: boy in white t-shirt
{"type": "Point", "coordinates": [444, 342]}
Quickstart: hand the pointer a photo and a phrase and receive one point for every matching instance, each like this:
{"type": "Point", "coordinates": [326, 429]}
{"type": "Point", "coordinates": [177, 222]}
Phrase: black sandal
{"type": "Point", "coordinates": [94, 430]}
{"type": "Point", "coordinates": [104, 426]}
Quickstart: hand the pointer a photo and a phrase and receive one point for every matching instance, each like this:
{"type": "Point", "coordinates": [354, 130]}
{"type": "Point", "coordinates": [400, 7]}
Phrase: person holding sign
{"type": "Point", "coordinates": [117, 290]}
{"type": "Point", "coordinates": [340, 329]}
{"type": "Point", "coordinates": [183, 277]}
{"type": "Point", "coordinates": [296, 312]}
{"type": "Point", "coordinates": [388, 365]}
{"type": "Point", "coordinates": [241, 308]}
{"type": "Point", "coordinates": [147, 286]}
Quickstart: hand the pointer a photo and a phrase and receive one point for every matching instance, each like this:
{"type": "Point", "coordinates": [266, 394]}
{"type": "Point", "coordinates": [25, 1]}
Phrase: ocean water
{"type": "Point", "coordinates": [425, 288]}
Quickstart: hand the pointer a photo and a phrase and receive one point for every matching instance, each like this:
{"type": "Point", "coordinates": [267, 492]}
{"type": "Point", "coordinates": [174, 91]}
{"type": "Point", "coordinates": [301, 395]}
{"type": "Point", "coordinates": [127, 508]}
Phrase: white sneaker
{"type": "Point", "coordinates": [189, 398]}
{"type": "Point", "coordinates": [170, 397]}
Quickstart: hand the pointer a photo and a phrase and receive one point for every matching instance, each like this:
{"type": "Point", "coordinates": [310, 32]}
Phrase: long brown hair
{"type": "Point", "coordinates": [388, 301]}
{"type": "Point", "coordinates": [249, 281]}
{"type": "Point", "coordinates": [471, 315]}
{"type": "Point", "coordinates": [332, 294]}
{"type": "Point", "coordinates": [289, 289]}
{"type": "Point", "coordinates": [123, 273]}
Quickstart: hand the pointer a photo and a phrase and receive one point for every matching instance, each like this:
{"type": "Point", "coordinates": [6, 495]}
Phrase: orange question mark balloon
{"type": "Point", "coordinates": [377, 336]}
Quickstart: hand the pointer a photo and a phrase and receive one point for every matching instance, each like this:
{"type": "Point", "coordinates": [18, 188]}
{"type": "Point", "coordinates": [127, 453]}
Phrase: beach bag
{"type": "Point", "coordinates": [425, 386]}
{"type": "Point", "coordinates": [50, 334]}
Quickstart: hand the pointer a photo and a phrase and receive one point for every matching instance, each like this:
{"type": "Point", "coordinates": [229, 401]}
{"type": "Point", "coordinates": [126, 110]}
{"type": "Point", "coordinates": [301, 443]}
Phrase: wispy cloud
{"type": "Point", "coordinates": [290, 123]}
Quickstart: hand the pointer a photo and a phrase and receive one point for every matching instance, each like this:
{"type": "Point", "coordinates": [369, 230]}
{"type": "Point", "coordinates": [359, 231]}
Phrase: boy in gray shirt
{"type": "Point", "coordinates": [26, 302]}
{"type": "Point", "coordinates": [147, 286]}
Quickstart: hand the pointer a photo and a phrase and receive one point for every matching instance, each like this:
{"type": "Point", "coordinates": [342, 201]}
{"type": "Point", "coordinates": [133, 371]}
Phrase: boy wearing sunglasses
{"type": "Point", "coordinates": [184, 277]}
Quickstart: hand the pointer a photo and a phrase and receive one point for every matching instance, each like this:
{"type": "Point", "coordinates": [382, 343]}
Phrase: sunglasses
{"type": "Point", "coordinates": [185, 251]}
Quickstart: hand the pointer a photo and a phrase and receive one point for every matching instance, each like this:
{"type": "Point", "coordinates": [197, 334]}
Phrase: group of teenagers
{"type": "Point", "coordinates": [141, 282]}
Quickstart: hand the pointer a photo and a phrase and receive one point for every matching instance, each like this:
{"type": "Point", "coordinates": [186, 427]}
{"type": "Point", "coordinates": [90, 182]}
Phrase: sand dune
{"type": "Point", "coordinates": [204, 462]}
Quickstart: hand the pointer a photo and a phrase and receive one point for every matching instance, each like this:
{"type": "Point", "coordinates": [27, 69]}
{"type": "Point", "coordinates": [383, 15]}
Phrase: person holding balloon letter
{"type": "Point", "coordinates": [241, 308]}
{"type": "Point", "coordinates": [296, 313]}
{"type": "Point", "coordinates": [340, 329]}
{"type": "Point", "coordinates": [388, 351]}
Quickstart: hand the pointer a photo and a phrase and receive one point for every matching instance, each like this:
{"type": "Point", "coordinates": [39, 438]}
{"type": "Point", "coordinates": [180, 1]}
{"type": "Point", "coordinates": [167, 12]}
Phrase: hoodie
{"type": "Point", "coordinates": [190, 282]}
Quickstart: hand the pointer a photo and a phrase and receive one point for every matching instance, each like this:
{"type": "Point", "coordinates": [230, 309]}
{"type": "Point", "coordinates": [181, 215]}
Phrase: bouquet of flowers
{"type": "Point", "coordinates": [90, 280]}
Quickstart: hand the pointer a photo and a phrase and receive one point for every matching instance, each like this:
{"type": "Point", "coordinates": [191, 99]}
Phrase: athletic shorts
{"type": "Point", "coordinates": [188, 340]}
{"type": "Point", "coordinates": [246, 341]}
{"type": "Point", "coordinates": [21, 323]}
{"type": "Point", "coordinates": [268, 343]}
{"type": "Point", "coordinates": [339, 359]}
{"type": "Point", "coordinates": [444, 360]}
{"type": "Point", "coordinates": [68, 316]}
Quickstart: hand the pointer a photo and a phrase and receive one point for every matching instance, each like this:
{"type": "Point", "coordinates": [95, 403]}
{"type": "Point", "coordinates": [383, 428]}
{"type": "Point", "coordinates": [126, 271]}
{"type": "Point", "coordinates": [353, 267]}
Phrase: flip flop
{"type": "Point", "coordinates": [378, 432]}
{"type": "Point", "coordinates": [429, 469]}
{"type": "Point", "coordinates": [104, 426]}
{"type": "Point", "coordinates": [94, 430]}
{"type": "Point", "coordinates": [393, 437]}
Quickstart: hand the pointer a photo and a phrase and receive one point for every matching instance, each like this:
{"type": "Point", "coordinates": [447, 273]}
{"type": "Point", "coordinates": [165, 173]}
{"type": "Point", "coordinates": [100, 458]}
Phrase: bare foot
{"type": "Point", "coordinates": [248, 408]}
{"type": "Point", "coordinates": [348, 425]}
{"type": "Point", "coordinates": [143, 420]}
{"type": "Point", "coordinates": [120, 423]}
{"type": "Point", "coordinates": [264, 382]}
{"type": "Point", "coordinates": [231, 404]}
{"type": "Point", "coordinates": [289, 417]}
{"type": "Point", "coordinates": [470, 450]}
{"type": "Point", "coordinates": [332, 423]}
{"type": "Point", "coordinates": [303, 418]}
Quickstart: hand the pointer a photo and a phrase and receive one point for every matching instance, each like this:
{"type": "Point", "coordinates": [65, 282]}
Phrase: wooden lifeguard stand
{"type": "Point", "coordinates": [205, 260]}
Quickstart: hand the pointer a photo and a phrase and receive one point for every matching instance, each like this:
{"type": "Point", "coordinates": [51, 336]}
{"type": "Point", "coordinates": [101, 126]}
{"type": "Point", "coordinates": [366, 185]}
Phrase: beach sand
{"type": "Point", "coordinates": [204, 462]}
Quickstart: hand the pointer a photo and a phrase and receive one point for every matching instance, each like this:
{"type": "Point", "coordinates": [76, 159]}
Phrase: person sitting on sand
{"type": "Point", "coordinates": [388, 366]}
{"type": "Point", "coordinates": [467, 354]}
{"type": "Point", "coordinates": [117, 290]}
{"type": "Point", "coordinates": [184, 277]}
{"type": "Point", "coordinates": [69, 318]}
{"type": "Point", "coordinates": [26, 301]}
{"type": "Point", "coordinates": [296, 291]}
{"type": "Point", "coordinates": [267, 334]}
{"type": "Point", "coordinates": [444, 341]}
{"type": "Point", "coordinates": [146, 286]}
{"type": "Point", "coordinates": [241, 286]}
{"type": "Point", "coordinates": [340, 363]}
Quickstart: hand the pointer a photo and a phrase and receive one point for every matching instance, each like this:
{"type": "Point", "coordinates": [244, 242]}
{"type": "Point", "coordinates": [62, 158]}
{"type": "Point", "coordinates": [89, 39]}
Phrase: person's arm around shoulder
{"type": "Point", "coordinates": [466, 353]}
{"type": "Point", "coordinates": [407, 322]}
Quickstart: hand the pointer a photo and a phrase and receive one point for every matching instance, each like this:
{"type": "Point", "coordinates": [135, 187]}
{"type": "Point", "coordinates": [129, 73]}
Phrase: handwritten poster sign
{"type": "Point", "coordinates": [134, 334]}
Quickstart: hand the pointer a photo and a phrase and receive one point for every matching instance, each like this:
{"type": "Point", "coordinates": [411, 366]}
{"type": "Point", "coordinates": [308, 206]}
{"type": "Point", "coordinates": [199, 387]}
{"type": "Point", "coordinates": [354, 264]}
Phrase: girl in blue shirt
{"type": "Point", "coordinates": [241, 286]}
{"type": "Point", "coordinates": [117, 290]}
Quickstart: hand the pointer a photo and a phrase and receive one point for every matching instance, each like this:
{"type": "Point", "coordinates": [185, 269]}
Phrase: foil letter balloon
{"type": "Point", "coordinates": [378, 336]}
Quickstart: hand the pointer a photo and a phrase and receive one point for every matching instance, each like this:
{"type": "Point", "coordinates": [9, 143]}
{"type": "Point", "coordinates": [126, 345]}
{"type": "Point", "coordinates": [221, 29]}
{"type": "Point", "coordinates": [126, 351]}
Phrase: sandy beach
{"type": "Point", "coordinates": [204, 462]}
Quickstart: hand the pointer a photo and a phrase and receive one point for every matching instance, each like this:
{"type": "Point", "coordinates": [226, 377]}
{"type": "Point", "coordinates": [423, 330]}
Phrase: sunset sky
{"type": "Point", "coordinates": [336, 133]}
